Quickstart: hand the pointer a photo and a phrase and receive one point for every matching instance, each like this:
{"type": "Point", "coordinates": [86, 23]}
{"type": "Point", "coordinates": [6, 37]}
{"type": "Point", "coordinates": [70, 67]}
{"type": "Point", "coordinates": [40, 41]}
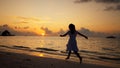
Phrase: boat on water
{"type": "Point", "coordinates": [111, 37]}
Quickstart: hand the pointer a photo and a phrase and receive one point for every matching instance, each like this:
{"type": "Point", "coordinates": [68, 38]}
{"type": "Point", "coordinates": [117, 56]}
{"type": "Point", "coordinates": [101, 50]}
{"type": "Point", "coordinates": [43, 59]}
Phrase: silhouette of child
{"type": "Point", "coordinates": [72, 44]}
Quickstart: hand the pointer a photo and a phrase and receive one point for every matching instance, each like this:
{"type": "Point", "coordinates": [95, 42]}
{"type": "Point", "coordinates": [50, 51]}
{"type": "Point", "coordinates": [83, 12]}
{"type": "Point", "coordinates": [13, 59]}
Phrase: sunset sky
{"type": "Point", "coordinates": [53, 15]}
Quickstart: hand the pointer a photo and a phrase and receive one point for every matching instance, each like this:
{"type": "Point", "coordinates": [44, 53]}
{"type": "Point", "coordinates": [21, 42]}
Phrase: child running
{"type": "Point", "coordinates": [72, 43]}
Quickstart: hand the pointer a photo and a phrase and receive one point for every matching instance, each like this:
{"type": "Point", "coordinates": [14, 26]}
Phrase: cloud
{"type": "Point", "coordinates": [23, 22]}
{"type": "Point", "coordinates": [98, 1]}
{"type": "Point", "coordinates": [82, 1]}
{"type": "Point", "coordinates": [90, 33]}
{"type": "Point", "coordinates": [14, 31]}
{"type": "Point", "coordinates": [61, 31]}
{"type": "Point", "coordinates": [27, 19]}
{"type": "Point", "coordinates": [110, 4]}
{"type": "Point", "coordinates": [117, 7]}
{"type": "Point", "coordinates": [47, 31]}
{"type": "Point", "coordinates": [109, 8]}
{"type": "Point", "coordinates": [113, 8]}
{"type": "Point", "coordinates": [17, 27]}
{"type": "Point", "coordinates": [4, 27]}
{"type": "Point", "coordinates": [107, 1]}
{"type": "Point", "coordinates": [27, 27]}
{"type": "Point", "coordinates": [86, 32]}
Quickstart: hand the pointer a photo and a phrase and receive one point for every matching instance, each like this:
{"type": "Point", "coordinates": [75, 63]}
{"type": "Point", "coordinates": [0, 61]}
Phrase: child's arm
{"type": "Point", "coordinates": [64, 34]}
{"type": "Point", "coordinates": [82, 35]}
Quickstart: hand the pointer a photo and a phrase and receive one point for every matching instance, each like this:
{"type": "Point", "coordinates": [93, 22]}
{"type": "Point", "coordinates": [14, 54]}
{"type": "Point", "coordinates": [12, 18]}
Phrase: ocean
{"type": "Point", "coordinates": [93, 49]}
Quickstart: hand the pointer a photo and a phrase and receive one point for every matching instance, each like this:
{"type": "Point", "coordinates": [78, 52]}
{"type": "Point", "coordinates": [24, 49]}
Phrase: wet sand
{"type": "Point", "coordinates": [19, 60]}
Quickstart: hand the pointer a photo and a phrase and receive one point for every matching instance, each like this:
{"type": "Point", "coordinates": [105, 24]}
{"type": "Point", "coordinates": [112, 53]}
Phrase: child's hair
{"type": "Point", "coordinates": [72, 28]}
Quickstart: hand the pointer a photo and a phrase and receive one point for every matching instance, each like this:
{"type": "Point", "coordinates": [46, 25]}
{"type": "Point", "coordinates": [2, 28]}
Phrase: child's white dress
{"type": "Point", "coordinates": [72, 43]}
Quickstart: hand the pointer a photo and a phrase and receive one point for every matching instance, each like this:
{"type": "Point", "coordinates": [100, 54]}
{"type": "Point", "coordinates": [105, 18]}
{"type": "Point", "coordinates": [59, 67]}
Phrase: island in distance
{"type": "Point", "coordinates": [6, 33]}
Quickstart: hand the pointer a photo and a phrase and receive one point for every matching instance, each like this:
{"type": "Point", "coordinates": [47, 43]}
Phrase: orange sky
{"type": "Point", "coordinates": [57, 14]}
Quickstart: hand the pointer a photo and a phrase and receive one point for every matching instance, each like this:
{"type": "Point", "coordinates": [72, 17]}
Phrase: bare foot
{"type": "Point", "coordinates": [67, 58]}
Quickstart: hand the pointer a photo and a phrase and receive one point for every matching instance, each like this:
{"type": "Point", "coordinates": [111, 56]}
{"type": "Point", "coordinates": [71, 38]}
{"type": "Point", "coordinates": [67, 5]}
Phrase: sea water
{"type": "Point", "coordinates": [94, 48]}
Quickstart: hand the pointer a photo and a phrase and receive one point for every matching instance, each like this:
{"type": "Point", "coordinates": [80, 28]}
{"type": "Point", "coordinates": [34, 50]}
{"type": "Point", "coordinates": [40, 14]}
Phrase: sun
{"type": "Point", "coordinates": [41, 55]}
{"type": "Point", "coordinates": [43, 34]}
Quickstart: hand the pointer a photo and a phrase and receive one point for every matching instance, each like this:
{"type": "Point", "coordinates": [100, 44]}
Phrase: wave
{"type": "Point", "coordinates": [108, 58]}
{"type": "Point", "coordinates": [22, 47]}
{"type": "Point", "coordinates": [47, 49]}
{"type": "Point", "coordinates": [108, 49]}
{"type": "Point", "coordinates": [99, 53]}
{"type": "Point", "coordinates": [85, 54]}
{"type": "Point", "coordinates": [44, 50]}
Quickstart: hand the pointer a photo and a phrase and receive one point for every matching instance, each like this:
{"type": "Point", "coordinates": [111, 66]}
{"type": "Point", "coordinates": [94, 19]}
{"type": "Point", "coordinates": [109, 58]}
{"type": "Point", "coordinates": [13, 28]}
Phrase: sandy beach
{"type": "Point", "coordinates": [10, 59]}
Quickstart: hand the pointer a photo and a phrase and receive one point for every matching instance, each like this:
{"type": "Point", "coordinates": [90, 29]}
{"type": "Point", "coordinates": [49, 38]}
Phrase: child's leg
{"type": "Point", "coordinates": [69, 53]}
{"type": "Point", "coordinates": [78, 56]}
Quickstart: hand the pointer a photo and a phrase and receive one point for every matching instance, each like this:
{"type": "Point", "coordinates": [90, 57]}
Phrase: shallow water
{"type": "Point", "coordinates": [95, 48]}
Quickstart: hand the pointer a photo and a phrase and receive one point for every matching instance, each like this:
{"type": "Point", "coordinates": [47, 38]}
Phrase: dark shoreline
{"type": "Point", "coordinates": [26, 51]}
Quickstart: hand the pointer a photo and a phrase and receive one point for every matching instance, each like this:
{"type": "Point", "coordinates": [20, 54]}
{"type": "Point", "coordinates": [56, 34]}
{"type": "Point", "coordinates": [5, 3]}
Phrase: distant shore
{"type": "Point", "coordinates": [9, 59]}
